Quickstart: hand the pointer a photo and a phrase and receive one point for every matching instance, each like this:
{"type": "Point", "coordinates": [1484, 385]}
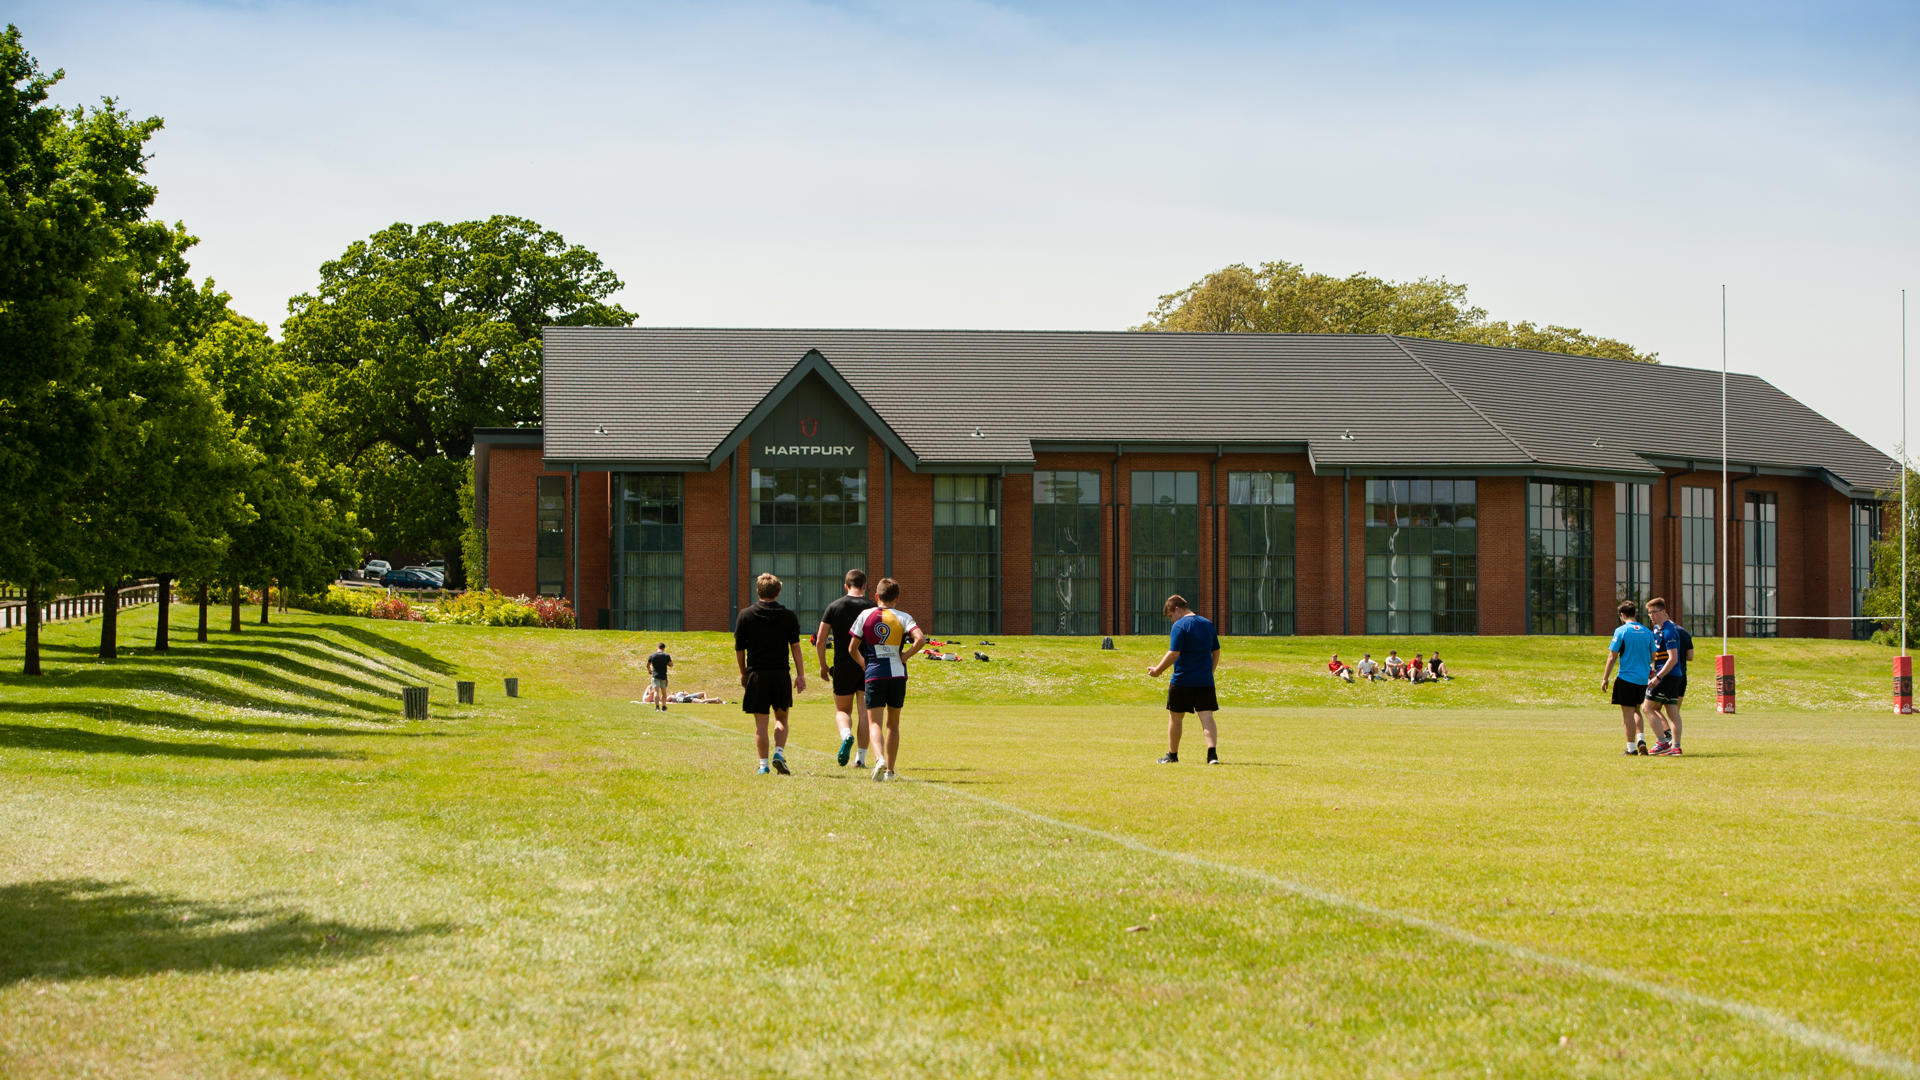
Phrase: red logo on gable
{"type": "Point", "coordinates": [809, 427]}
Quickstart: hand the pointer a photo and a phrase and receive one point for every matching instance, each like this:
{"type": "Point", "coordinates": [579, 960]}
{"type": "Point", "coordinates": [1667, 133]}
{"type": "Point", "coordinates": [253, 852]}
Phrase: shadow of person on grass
{"type": "Point", "coordinates": [127, 714]}
{"type": "Point", "coordinates": [86, 929]}
{"type": "Point", "coordinates": [36, 737]}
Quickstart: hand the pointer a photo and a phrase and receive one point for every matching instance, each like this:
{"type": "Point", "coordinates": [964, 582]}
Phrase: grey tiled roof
{"type": "Point", "coordinates": [678, 395]}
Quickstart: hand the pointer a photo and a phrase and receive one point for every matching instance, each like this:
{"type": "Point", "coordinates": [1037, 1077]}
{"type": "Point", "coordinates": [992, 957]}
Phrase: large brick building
{"type": "Point", "coordinates": [1024, 482]}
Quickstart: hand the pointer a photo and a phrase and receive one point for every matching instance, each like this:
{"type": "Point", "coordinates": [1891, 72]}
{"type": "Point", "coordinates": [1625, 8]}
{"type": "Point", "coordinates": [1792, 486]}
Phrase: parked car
{"type": "Point", "coordinates": [409, 579]}
{"type": "Point", "coordinates": [433, 572]}
{"type": "Point", "coordinates": [375, 569]}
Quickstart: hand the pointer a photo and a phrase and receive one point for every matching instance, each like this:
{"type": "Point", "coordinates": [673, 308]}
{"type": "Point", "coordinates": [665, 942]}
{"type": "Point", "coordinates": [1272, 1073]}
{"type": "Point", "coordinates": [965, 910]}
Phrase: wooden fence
{"type": "Point", "coordinates": [13, 610]}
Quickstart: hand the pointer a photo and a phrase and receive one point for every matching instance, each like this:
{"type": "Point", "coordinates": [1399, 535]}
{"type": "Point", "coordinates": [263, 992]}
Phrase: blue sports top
{"type": "Point", "coordinates": [1194, 639]}
{"type": "Point", "coordinates": [1668, 638]}
{"type": "Point", "coordinates": [1633, 643]}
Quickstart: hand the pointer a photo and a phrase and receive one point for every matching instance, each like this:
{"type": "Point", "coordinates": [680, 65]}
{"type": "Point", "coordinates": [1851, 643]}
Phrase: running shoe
{"type": "Point", "coordinates": [1630, 751]}
{"type": "Point", "coordinates": [1675, 752]}
{"type": "Point", "coordinates": [891, 776]}
{"type": "Point", "coordinates": [1643, 747]}
{"type": "Point", "coordinates": [846, 747]}
{"type": "Point", "coordinates": [1661, 749]}
{"type": "Point", "coordinates": [1170, 759]}
{"type": "Point", "coordinates": [780, 766]}
{"type": "Point", "coordinates": [881, 772]}
{"type": "Point", "coordinates": [761, 771]}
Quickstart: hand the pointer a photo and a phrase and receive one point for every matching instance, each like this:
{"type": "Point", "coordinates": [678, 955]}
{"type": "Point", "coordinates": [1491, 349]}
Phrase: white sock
{"type": "Point", "coordinates": [780, 751]}
{"type": "Point", "coordinates": [1629, 746]}
{"type": "Point", "coordinates": [846, 733]}
{"type": "Point", "coordinates": [860, 758]}
{"type": "Point", "coordinates": [763, 763]}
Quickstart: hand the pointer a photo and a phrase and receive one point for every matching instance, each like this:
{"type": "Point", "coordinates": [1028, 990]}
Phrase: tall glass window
{"type": "Point", "coordinates": [1633, 543]}
{"type": "Point", "coordinates": [1260, 582]}
{"type": "Point", "coordinates": [1697, 602]}
{"type": "Point", "coordinates": [1559, 557]}
{"type": "Point", "coordinates": [809, 528]}
{"type": "Point", "coordinates": [550, 538]}
{"type": "Point", "coordinates": [966, 554]}
{"type": "Point", "coordinates": [649, 553]}
{"type": "Point", "coordinates": [1865, 529]}
{"type": "Point", "coordinates": [1423, 564]}
{"type": "Point", "coordinates": [1066, 552]}
{"type": "Point", "coordinates": [1760, 533]}
{"type": "Point", "coordinates": [1165, 544]}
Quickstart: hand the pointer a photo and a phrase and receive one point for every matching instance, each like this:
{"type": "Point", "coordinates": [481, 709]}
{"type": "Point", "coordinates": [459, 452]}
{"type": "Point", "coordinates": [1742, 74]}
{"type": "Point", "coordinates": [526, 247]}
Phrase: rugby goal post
{"type": "Point", "coordinates": [1724, 697]}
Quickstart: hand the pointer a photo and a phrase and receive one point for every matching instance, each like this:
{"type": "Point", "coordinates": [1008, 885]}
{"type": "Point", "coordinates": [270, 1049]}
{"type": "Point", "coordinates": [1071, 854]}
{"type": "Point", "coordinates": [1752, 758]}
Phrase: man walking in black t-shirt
{"type": "Point", "coordinates": [846, 674]}
{"type": "Point", "coordinates": [764, 635]}
{"type": "Point", "coordinates": [659, 662]}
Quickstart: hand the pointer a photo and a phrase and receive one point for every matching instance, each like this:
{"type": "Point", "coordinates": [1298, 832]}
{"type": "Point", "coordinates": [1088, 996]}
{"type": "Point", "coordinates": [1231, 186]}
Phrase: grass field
{"type": "Point", "coordinates": [239, 861]}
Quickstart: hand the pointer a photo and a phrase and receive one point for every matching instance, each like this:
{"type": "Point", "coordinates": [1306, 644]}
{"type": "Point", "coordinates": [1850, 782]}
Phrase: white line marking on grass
{"type": "Point", "coordinates": [1871, 1057]}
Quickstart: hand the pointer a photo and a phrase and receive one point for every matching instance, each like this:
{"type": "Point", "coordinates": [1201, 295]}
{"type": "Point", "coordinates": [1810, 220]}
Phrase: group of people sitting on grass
{"type": "Point", "coordinates": [1420, 669]}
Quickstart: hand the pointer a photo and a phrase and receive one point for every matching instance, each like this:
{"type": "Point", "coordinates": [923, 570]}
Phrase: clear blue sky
{"type": "Point", "coordinates": [970, 164]}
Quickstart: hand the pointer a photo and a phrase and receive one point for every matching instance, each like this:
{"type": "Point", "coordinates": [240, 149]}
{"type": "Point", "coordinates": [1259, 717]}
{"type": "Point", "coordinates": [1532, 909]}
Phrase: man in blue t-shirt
{"type": "Point", "coordinates": [1672, 648]}
{"type": "Point", "coordinates": [1194, 651]}
{"type": "Point", "coordinates": [1632, 649]}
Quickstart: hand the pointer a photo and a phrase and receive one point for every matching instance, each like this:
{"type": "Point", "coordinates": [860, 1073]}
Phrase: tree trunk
{"type": "Point", "coordinates": [203, 611]}
{"type": "Point", "coordinates": [33, 630]}
{"type": "Point", "coordinates": [266, 601]}
{"type": "Point", "coordinates": [456, 567]}
{"type": "Point", "coordinates": [166, 603]}
{"type": "Point", "coordinates": [236, 608]}
{"type": "Point", "coordinates": [110, 622]}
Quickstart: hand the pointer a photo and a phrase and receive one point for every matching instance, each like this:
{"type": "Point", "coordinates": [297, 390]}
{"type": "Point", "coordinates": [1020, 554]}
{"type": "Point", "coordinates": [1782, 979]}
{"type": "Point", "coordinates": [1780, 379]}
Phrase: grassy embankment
{"type": "Point", "coordinates": [239, 860]}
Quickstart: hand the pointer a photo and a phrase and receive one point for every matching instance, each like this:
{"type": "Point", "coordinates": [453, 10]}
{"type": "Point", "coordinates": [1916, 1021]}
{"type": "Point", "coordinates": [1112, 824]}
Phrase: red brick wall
{"type": "Point", "coordinates": [596, 548]}
{"type": "Point", "coordinates": [877, 567]}
{"type": "Point", "coordinates": [1016, 553]}
{"type": "Point", "coordinates": [913, 543]}
{"type": "Point", "coordinates": [705, 515]}
{"type": "Point", "coordinates": [513, 473]}
{"type": "Point", "coordinates": [1503, 555]}
{"type": "Point", "coordinates": [1604, 602]}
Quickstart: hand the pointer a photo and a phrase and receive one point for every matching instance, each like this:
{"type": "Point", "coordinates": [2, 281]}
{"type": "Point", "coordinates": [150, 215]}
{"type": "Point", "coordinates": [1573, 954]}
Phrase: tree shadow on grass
{"type": "Point", "coordinates": [85, 929]}
{"type": "Point", "coordinates": [399, 650]}
{"type": "Point", "coordinates": [36, 737]}
{"type": "Point", "coordinates": [110, 677]}
{"type": "Point", "coordinates": [262, 659]}
{"type": "Point", "coordinates": [130, 676]}
{"type": "Point", "coordinates": [129, 714]}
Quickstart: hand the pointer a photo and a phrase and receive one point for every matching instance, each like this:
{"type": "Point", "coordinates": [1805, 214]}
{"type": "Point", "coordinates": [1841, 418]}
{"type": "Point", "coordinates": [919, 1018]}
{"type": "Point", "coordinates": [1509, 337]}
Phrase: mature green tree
{"type": "Point", "coordinates": [1883, 595]}
{"type": "Point", "coordinates": [1283, 297]}
{"type": "Point", "coordinates": [81, 267]}
{"type": "Point", "coordinates": [299, 528]}
{"type": "Point", "coordinates": [419, 334]}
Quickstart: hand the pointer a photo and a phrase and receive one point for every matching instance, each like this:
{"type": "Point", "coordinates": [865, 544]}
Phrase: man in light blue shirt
{"type": "Point", "coordinates": [1632, 649]}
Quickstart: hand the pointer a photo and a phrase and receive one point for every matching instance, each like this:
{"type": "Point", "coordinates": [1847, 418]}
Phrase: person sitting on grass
{"type": "Point", "coordinates": [1339, 669]}
{"type": "Point", "coordinates": [1369, 669]}
{"type": "Point", "coordinates": [1396, 667]}
{"type": "Point", "coordinates": [1438, 667]}
{"type": "Point", "coordinates": [1417, 670]}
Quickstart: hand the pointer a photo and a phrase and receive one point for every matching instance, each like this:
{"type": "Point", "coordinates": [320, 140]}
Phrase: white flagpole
{"type": "Point", "coordinates": [1903, 472]}
{"type": "Point", "coordinates": [1726, 494]}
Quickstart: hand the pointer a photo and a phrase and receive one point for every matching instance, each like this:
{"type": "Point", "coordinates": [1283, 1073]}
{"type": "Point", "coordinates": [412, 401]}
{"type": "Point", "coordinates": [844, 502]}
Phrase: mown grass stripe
{"type": "Point", "coordinates": [1861, 1054]}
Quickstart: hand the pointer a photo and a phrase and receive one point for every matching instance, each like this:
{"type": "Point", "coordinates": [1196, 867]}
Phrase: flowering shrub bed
{"type": "Point", "coordinates": [476, 607]}
{"type": "Point", "coordinates": [484, 607]}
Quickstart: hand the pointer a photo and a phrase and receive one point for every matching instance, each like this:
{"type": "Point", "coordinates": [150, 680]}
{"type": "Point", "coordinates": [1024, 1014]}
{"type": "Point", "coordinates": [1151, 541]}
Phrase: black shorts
{"type": "Point", "coordinates": [848, 678]}
{"type": "Point", "coordinates": [767, 691]}
{"type": "Point", "coordinates": [1629, 693]}
{"type": "Point", "coordinates": [1670, 691]}
{"type": "Point", "coordinates": [887, 694]}
{"type": "Point", "coordinates": [1186, 699]}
